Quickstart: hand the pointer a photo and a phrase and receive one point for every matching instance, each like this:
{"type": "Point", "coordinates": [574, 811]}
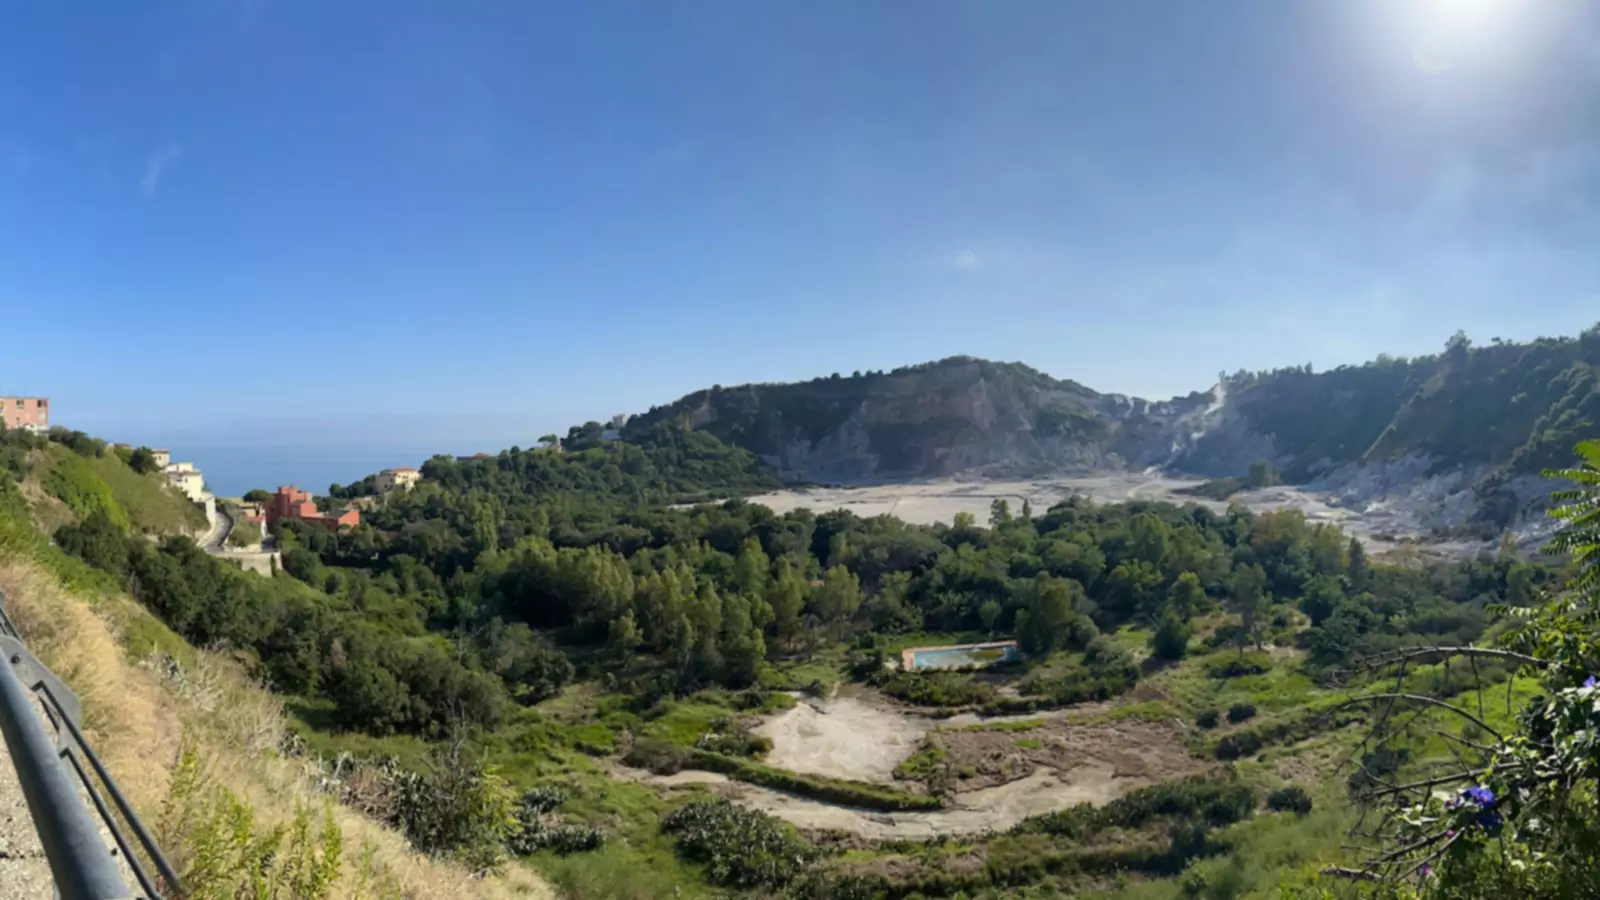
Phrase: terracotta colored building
{"type": "Point", "coordinates": [292, 503]}
{"type": "Point", "coordinates": [31, 413]}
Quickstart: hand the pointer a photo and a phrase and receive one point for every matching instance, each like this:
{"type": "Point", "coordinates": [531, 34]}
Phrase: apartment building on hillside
{"type": "Point", "coordinates": [28, 413]}
{"type": "Point", "coordinates": [289, 502]}
{"type": "Point", "coordinates": [403, 477]}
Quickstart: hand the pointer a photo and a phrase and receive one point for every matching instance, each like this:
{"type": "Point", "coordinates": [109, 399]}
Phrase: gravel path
{"type": "Point", "coordinates": [24, 870]}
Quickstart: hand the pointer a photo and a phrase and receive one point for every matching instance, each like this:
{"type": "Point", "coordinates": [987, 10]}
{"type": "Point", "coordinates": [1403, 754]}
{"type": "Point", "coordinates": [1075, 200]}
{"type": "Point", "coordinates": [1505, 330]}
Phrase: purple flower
{"type": "Point", "coordinates": [1449, 833]}
{"type": "Point", "coordinates": [1426, 871]}
{"type": "Point", "coordinates": [1479, 795]}
{"type": "Point", "coordinates": [1591, 681]}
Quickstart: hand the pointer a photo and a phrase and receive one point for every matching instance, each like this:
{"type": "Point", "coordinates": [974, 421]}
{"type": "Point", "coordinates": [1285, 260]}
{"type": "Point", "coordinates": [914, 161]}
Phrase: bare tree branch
{"type": "Point", "coordinates": [1394, 696]}
{"type": "Point", "coordinates": [1394, 656]}
{"type": "Point", "coordinates": [1352, 874]}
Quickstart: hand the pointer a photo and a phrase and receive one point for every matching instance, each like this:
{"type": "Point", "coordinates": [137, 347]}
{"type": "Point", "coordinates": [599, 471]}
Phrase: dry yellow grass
{"type": "Point", "coordinates": [136, 718]}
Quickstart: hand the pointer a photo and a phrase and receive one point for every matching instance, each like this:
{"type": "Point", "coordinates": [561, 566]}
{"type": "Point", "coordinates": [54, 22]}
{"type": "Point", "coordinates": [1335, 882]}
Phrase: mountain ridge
{"type": "Point", "coordinates": [1540, 393]}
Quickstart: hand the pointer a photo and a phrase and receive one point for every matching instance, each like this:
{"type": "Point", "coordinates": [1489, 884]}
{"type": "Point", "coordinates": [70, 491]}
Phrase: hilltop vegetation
{"type": "Point", "coordinates": [1521, 406]}
{"type": "Point", "coordinates": [1503, 406]}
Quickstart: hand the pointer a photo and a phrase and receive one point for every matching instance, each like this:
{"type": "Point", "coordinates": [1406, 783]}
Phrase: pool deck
{"type": "Point", "coordinates": [908, 655]}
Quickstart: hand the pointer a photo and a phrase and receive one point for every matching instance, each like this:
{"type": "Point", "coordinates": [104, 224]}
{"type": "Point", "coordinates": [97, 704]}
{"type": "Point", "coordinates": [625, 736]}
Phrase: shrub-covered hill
{"type": "Point", "coordinates": [1505, 406]}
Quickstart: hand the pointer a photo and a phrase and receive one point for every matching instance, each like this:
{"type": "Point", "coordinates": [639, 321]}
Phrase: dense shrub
{"type": "Point", "coordinates": [938, 689]}
{"type": "Point", "coordinates": [457, 807]}
{"type": "Point", "coordinates": [1290, 799]}
{"type": "Point", "coordinates": [78, 442]}
{"type": "Point", "coordinates": [659, 756]}
{"type": "Point", "coordinates": [739, 847]}
{"type": "Point", "coordinates": [1240, 712]}
{"type": "Point", "coordinates": [734, 740]}
{"type": "Point", "coordinates": [1171, 638]}
{"type": "Point", "coordinates": [1238, 745]}
{"type": "Point", "coordinates": [536, 831]}
{"type": "Point", "coordinates": [1215, 800]}
{"type": "Point", "coordinates": [1231, 666]}
{"type": "Point", "coordinates": [1207, 719]}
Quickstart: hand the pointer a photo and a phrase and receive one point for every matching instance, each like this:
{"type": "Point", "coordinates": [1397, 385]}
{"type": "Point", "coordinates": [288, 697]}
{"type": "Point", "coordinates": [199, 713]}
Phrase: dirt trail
{"type": "Point", "coordinates": [990, 809]}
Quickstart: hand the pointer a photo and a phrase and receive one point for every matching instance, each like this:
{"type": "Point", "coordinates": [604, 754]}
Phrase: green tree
{"type": "Point", "coordinates": [999, 513]}
{"type": "Point", "coordinates": [1148, 537]}
{"type": "Point", "coordinates": [786, 596]}
{"type": "Point", "coordinates": [839, 596]}
{"type": "Point", "coordinates": [1247, 598]}
{"type": "Point", "coordinates": [142, 460]}
{"type": "Point", "coordinates": [1260, 475]}
{"type": "Point", "coordinates": [623, 636]}
{"type": "Point", "coordinates": [257, 495]}
{"type": "Point", "coordinates": [1186, 596]}
{"type": "Point", "coordinates": [1171, 638]}
{"type": "Point", "coordinates": [750, 569]}
{"type": "Point", "coordinates": [1321, 599]}
{"type": "Point", "coordinates": [989, 613]}
{"type": "Point", "coordinates": [1052, 618]}
{"type": "Point", "coordinates": [1359, 572]}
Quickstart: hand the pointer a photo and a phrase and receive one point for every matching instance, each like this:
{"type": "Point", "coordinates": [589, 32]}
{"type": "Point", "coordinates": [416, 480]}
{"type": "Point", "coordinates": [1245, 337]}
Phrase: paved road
{"type": "Point", "coordinates": [212, 543]}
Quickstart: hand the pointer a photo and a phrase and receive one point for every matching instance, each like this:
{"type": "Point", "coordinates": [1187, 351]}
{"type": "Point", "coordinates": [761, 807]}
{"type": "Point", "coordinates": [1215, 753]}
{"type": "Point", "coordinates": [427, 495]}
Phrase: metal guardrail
{"type": "Point", "coordinates": [83, 867]}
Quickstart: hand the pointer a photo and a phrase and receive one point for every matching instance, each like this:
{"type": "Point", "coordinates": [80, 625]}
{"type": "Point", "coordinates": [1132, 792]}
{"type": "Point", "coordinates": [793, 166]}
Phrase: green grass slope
{"type": "Point", "coordinates": [145, 503]}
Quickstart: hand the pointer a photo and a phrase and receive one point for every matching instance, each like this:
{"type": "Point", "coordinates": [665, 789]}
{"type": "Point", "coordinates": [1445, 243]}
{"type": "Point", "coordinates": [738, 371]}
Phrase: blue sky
{"type": "Point", "coordinates": [469, 223]}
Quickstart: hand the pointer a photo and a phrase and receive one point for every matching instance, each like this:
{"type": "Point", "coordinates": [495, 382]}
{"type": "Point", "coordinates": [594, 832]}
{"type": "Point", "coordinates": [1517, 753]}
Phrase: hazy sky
{"type": "Point", "coordinates": [430, 221]}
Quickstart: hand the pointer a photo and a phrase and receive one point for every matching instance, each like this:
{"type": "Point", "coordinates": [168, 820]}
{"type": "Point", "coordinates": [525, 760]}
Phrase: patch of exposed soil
{"type": "Point", "coordinates": [846, 737]}
{"type": "Point", "coordinates": [860, 735]}
{"type": "Point", "coordinates": [1126, 752]}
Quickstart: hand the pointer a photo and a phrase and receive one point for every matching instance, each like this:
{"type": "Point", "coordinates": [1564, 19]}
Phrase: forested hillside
{"type": "Point", "coordinates": [952, 415]}
{"type": "Point", "coordinates": [1518, 407]}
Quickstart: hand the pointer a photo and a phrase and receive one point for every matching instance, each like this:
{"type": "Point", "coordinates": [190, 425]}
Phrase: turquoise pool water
{"type": "Point", "coordinates": [956, 657]}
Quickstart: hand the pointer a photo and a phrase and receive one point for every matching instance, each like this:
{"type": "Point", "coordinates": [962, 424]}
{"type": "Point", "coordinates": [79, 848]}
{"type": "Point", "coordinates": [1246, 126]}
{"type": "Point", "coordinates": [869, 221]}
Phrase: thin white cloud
{"type": "Point", "coordinates": [160, 162]}
{"type": "Point", "coordinates": [966, 259]}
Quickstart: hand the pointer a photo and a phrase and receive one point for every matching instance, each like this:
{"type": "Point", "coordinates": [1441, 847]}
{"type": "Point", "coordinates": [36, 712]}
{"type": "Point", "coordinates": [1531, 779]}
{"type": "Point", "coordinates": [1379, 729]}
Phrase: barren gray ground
{"type": "Point", "coordinates": [928, 502]}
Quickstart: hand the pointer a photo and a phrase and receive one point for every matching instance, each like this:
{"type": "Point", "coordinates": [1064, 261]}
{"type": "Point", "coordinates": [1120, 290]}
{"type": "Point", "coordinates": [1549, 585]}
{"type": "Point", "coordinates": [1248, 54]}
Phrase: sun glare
{"type": "Point", "coordinates": [1447, 30]}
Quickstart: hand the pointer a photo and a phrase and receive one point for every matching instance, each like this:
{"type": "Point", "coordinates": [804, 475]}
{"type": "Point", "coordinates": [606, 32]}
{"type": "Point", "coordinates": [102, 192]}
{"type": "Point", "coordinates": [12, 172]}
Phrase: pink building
{"type": "Point", "coordinates": [31, 413]}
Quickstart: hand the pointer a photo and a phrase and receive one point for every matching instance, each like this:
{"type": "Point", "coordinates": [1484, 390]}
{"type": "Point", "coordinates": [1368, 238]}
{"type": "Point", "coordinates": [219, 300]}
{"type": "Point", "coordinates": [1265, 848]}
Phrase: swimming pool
{"type": "Point", "coordinates": [961, 656]}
